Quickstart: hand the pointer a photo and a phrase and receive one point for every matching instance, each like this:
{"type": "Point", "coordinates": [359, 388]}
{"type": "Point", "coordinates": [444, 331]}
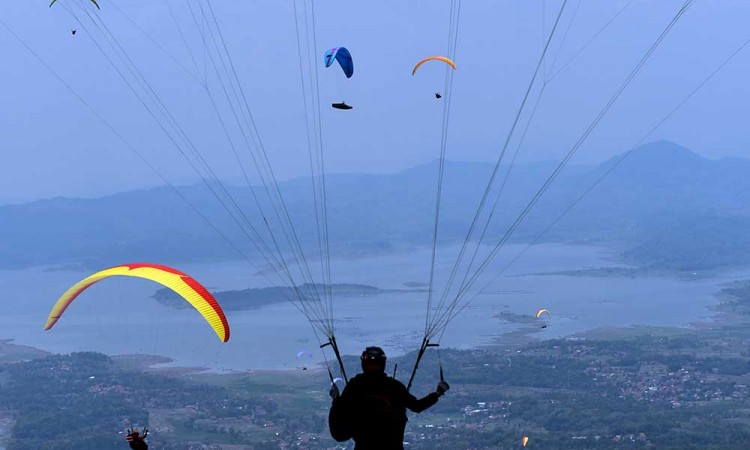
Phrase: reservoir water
{"type": "Point", "coordinates": [118, 315]}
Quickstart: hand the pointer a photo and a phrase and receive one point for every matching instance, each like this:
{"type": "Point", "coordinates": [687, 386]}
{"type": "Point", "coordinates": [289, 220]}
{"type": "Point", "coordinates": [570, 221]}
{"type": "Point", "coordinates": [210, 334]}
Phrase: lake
{"type": "Point", "coordinates": [118, 315]}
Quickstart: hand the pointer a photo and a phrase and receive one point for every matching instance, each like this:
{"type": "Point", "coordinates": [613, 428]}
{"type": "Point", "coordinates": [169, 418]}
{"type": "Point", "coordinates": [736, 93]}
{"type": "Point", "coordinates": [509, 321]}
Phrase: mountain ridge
{"type": "Point", "coordinates": [659, 185]}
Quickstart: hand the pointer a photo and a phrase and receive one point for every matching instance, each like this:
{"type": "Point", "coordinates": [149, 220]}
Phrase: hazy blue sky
{"type": "Point", "coordinates": [51, 145]}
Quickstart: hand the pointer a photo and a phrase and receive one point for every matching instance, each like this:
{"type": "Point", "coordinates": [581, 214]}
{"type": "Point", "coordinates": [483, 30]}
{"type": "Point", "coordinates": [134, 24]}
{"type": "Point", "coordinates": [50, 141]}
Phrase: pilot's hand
{"type": "Point", "coordinates": [442, 387]}
{"type": "Point", "coordinates": [334, 391]}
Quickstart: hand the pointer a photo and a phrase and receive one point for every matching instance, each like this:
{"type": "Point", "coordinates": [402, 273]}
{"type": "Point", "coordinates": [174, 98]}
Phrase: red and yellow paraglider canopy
{"type": "Point", "coordinates": [181, 283]}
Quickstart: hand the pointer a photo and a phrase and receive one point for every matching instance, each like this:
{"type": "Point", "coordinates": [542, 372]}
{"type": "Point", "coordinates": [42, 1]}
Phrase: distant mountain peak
{"type": "Point", "coordinates": [665, 149]}
{"type": "Point", "coordinates": [657, 155]}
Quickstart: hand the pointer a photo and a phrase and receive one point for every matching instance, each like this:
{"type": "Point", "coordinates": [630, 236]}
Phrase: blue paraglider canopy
{"type": "Point", "coordinates": [342, 55]}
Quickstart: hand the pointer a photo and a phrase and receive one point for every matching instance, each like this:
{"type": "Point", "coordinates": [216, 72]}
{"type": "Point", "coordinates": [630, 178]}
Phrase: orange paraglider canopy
{"type": "Point", "coordinates": [433, 58]}
{"type": "Point", "coordinates": [179, 282]}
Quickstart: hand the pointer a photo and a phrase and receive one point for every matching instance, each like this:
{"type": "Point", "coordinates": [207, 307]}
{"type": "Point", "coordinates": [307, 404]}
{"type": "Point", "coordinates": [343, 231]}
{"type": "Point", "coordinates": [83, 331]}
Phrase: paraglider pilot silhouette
{"type": "Point", "coordinates": [135, 440]}
{"type": "Point", "coordinates": [372, 408]}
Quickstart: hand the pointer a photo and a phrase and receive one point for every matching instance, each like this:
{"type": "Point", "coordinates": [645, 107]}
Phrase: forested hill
{"type": "Point", "coordinates": [668, 206]}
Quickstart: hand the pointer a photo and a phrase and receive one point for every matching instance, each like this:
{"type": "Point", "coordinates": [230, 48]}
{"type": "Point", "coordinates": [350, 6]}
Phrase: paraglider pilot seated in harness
{"type": "Point", "coordinates": [372, 408]}
{"type": "Point", "coordinates": [136, 441]}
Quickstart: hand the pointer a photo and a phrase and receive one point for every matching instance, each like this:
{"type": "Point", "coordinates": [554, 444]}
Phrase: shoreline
{"type": "Point", "coordinates": [721, 316]}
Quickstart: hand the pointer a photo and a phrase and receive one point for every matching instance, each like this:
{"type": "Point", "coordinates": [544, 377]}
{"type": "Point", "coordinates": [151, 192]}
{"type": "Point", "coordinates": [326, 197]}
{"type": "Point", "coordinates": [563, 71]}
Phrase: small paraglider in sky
{"type": "Point", "coordinates": [73, 31]}
{"type": "Point", "coordinates": [524, 441]}
{"type": "Point", "coordinates": [433, 58]}
{"type": "Point", "coordinates": [539, 314]}
{"type": "Point", "coordinates": [342, 55]}
{"type": "Point", "coordinates": [305, 355]}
